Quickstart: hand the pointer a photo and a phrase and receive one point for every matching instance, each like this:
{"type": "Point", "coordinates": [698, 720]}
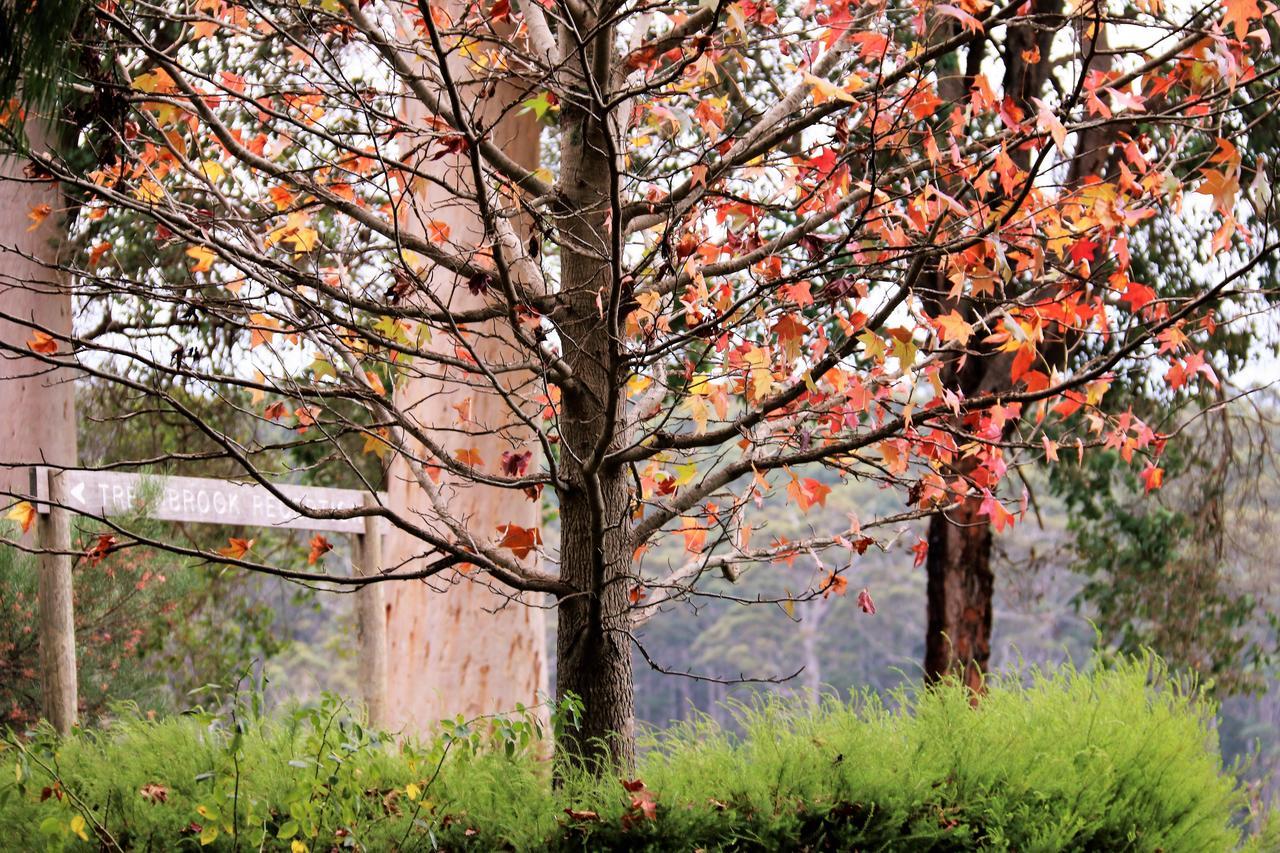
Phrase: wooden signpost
{"type": "Point", "coordinates": [57, 494]}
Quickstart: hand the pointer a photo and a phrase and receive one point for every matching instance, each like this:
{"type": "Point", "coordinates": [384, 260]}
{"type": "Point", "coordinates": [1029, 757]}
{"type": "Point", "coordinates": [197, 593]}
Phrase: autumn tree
{"type": "Point", "coordinates": [738, 259]}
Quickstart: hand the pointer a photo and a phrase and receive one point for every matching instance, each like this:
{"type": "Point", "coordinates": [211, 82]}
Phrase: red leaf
{"type": "Point", "coordinates": [864, 601]}
{"type": "Point", "coordinates": [515, 464]}
{"type": "Point", "coordinates": [519, 540]}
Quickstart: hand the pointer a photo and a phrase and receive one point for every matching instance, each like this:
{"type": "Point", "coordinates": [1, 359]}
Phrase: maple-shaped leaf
{"type": "Point", "coordinates": [790, 331]}
{"type": "Point", "coordinates": [23, 513]}
{"type": "Point", "coordinates": [695, 535]}
{"type": "Point", "coordinates": [377, 441]}
{"type": "Point", "coordinates": [306, 416]}
{"type": "Point", "coordinates": [808, 492]}
{"type": "Point", "coordinates": [1238, 15]}
{"type": "Point", "coordinates": [1152, 478]}
{"type": "Point", "coordinates": [995, 512]}
{"type": "Point", "coordinates": [519, 540]}
{"type": "Point", "coordinates": [276, 411]}
{"type": "Point", "coordinates": [262, 329]}
{"type": "Point", "coordinates": [824, 90]}
{"type": "Point", "coordinates": [95, 256]}
{"type": "Point", "coordinates": [953, 327]}
{"type": "Point", "coordinates": [967, 21]}
{"type": "Point", "coordinates": [438, 231]}
{"type": "Point", "coordinates": [1222, 186]}
{"type": "Point", "coordinates": [42, 342]}
{"type": "Point", "coordinates": [514, 464]}
{"type": "Point", "coordinates": [836, 584]}
{"type": "Point", "coordinates": [236, 548]}
{"type": "Point", "coordinates": [101, 547]}
{"type": "Point", "coordinates": [204, 258]}
{"type": "Point", "coordinates": [469, 456]}
{"type": "Point", "coordinates": [319, 547]}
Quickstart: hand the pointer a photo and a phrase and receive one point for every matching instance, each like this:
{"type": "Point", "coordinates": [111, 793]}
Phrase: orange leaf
{"type": "Point", "coordinates": [519, 540]}
{"type": "Point", "coordinates": [319, 547]}
{"type": "Point", "coordinates": [437, 231]}
{"type": "Point", "coordinates": [808, 492]}
{"type": "Point", "coordinates": [39, 214]}
{"type": "Point", "coordinates": [469, 456]}
{"type": "Point", "coordinates": [204, 258]}
{"type": "Point", "coordinates": [97, 253]}
{"type": "Point", "coordinates": [42, 343]}
{"type": "Point", "coordinates": [695, 535]}
{"type": "Point", "coordinates": [1239, 13]}
{"type": "Point", "coordinates": [834, 583]}
{"type": "Point", "coordinates": [236, 548]}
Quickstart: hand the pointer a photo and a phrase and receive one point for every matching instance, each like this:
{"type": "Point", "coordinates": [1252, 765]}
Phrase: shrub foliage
{"type": "Point", "coordinates": [1113, 759]}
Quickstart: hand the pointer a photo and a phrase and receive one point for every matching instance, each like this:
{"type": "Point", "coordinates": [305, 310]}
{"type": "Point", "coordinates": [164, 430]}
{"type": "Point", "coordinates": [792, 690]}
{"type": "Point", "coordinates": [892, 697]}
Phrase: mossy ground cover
{"type": "Point", "coordinates": [1114, 759]}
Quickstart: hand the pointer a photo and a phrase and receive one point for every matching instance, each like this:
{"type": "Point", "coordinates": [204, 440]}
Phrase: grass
{"type": "Point", "coordinates": [1111, 759]}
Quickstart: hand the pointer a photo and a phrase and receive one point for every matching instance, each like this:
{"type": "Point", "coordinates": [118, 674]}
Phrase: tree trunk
{"type": "Point", "coordinates": [37, 404]}
{"type": "Point", "coordinates": [59, 689]}
{"type": "Point", "coordinates": [37, 415]}
{"type": "Point", "coordinates": [371, 623]}
{"type": "Point", "coordinates": [458, 643]}
{"type": "Point", "coordinates": [593, 660]}
{"type": "Point", "coordinates": [960, 585]}
{"type": "Point", "coordinates": [960, 581]}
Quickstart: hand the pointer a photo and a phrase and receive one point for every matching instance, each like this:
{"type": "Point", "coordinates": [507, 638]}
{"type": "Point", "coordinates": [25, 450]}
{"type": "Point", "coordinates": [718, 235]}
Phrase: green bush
{"type": "Point", "coordinates": [1116, 759]}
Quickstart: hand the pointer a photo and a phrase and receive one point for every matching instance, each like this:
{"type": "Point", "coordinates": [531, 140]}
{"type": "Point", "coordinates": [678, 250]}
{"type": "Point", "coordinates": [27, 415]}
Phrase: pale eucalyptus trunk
{"type": "Point", "coordinates": [37, 402]}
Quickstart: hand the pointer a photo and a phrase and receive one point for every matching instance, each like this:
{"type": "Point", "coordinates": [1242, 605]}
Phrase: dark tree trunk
{"type": "Point", "coordinates": [593, 637]}
{"type": "Point", "coordinates": [960, 586]}
{"type": "Point", "coordinates": [961, 583]}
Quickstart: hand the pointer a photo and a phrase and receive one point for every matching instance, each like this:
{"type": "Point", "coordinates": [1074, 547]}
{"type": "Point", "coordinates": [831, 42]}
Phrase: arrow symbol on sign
{"type": "Point", "coordinates": [77, 492]}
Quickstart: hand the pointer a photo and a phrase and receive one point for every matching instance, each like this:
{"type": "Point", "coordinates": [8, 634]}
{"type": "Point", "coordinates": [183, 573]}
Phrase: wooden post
{"type": "Point", "coordinates": [57, 617]}
{"type": "Point", "coordinates": [371, 621]}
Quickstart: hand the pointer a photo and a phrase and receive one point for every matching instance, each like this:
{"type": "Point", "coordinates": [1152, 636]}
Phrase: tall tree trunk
{"type": "Point", "coordinates": [959, 589]}
{"type": "Point", "coordinates": [458, 644]}
{"type": "Point", "coordinates": [593, 641]}
{"type": "Point", "coordinates": [37, 404]}
{"type": "Point", "coordinates": [37, 418]}
{"type": "Point", "coordinates": [961, 584]}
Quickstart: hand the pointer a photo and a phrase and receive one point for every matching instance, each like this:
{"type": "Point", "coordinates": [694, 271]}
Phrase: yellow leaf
{"type": "Point", "coordinates": [153, 82]}
{"type": "Point", "coordinates": [204, 258]}
{"type": "Point", "coordinates": [23, 513]}
{"type": "Point", "coordinates": [297, 846]}
{"type": "Point", "coordinates": [213, 170]}
{"type": "Point", "coordinates": [952, 327]}
{"type": "Point", "coordinates": [412, 791]}
{"type": "Point", "coordinates": [149, 191]}
{"type": "Point", "coordinates": [825, 90]}
{"type": "Point", "coordinates": [78, 826]}
{"type": "Point", "coordinates": [208, 835]}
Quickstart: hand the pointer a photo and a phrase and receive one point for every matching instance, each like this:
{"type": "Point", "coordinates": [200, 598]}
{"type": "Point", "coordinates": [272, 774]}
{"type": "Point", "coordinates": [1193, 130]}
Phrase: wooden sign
{"type": "Point", "coordinates": [199, 500]}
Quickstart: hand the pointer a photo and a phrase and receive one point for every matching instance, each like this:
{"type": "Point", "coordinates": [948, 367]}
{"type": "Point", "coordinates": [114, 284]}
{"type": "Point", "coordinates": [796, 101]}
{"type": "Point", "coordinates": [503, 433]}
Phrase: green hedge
{"type": "Point", "coordinates": [1120, 759]}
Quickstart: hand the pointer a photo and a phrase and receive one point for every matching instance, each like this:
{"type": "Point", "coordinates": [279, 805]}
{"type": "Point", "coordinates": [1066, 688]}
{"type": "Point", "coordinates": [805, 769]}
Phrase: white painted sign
{"type": "Point", "coordinates": [200, 500]}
